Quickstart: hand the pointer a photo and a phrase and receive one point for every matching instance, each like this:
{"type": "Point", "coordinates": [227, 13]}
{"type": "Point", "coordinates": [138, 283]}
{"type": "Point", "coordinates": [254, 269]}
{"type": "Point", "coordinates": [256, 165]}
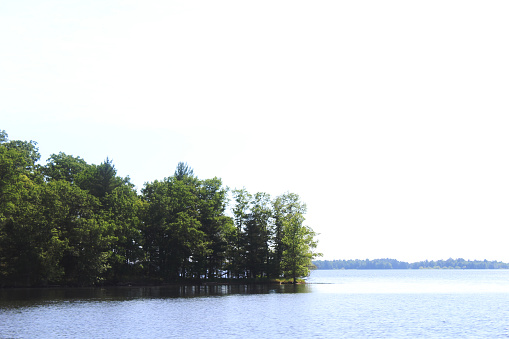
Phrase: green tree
{"type": "Point", "coordinates": [256, 235]}
{"type": "Point", "coordinates": [78, 224]}
{"type": "Point", "coordinates": [122, 208]}
{"type": "Point", "coordinates": [298, 243]}
{"type": "Point", "coordinates": [25, 240]}
{"type": "Point", "coordinates": [173, 238]}
{"type": "Point", "coordinates": [64, 167]}
{"type": "Point", "coordinates": [87, 235]}
{"type": "Point", "coordinates": [28, 151]}
{"type": "Point", "coordinates": [31, 246]}
{"type": "Point", "coordinates": [241, 198]}
{"type": "Point", "coordinates": [3, 136]}
{"type": "Point", "coordinates": [284, 207]}
{"type": "Point", "coordinates": [182, 171]}
{"type": "Point", "coordinates": [215, 224]}
{"type": "Point", "coordinates": [100, 180]}
{"type": "Point", "coordinates": [30, 249]}
{"type": "Point", "coordinates": [13, 173]}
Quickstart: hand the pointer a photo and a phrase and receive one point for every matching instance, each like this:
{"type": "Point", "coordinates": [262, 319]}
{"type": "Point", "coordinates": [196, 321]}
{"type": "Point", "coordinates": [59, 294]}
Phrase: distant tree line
{"type": "Point", "coordinates": [387, 264]}
{"type": "Point", "coordinates": [72, 223]}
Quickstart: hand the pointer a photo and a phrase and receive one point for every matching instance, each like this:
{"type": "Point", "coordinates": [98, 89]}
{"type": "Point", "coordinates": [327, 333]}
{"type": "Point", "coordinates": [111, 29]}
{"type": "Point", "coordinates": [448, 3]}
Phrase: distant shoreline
{"type": "Point", "coordinates": [391, 264]}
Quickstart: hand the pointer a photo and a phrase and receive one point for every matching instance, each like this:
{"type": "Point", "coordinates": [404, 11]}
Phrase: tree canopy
{"type": "Point", "coordinates": [68, 222]}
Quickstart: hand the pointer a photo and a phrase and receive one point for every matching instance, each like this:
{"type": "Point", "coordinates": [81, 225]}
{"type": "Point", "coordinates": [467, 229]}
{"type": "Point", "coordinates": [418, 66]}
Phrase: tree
{"type": "Point", "coordinates": [215, 224]}
{"type": "Point", "coordinates": [30, 248]}
{"type": "Point", "coordinates": [256, 235]}
{"type": "Point", "coordinates": [64, 167]}
{"type": "Point", "coordinates": [299, 243]}
{"type": "Point", "coordinates": [28, 151]}
{"type": "Point", "coordinates": [3, 136]}
{"type": "Point", "coordinates": [284, 207]}
{"type": "Point", "coordinates": [122, 209]}
{"type": "Point", "coordinates": [100, 180]}
{"type": "Point", "coordinates": [26, 242]}
{"type": "Point", "coordinates": [72, 223]}
{"type": "Point", "coordinates": [240, 216]}
{"type": "Point", "coordinates": [173, 236]}
{"type": "Point", "coordinates": [75, 216]}
{"type": "Point", "coordinates": [270, 238]}
{"type": "Point", "coordinates": [183, 170]}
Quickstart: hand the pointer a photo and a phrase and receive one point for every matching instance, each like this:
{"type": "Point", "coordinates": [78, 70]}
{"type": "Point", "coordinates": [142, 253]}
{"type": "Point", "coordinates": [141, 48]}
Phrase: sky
{"type": "Point", "coordinates": [390, 119]}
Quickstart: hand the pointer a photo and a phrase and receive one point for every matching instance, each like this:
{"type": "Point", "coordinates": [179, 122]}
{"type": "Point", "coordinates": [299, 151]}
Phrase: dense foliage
{"type": "Point", "coordinates": [395, 264]}
{"type": "Point", "coordinates": [72, 223]}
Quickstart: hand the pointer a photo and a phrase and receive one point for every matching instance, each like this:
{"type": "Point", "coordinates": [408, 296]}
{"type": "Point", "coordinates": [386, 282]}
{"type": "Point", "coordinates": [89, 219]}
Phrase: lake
{"type": "Point", "coordinates": [333, 304]}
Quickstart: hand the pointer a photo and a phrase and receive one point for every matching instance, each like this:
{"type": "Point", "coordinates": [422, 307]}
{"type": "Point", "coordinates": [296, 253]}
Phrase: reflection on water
{"type": "Point", "coordinates": [23, 297]}
{"type": "Point", "coordinates": [335, 304]}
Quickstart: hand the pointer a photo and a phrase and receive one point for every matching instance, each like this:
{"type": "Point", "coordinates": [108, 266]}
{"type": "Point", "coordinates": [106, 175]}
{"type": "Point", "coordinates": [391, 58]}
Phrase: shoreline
{"type": "Point", "coordinates": [204, 283]}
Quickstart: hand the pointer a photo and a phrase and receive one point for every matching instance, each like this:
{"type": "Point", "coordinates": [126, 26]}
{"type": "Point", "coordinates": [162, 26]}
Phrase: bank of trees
{"type": "Point", "coordinates": [72, 223]}
{"type": "Point", "coordinates": [395, 264]}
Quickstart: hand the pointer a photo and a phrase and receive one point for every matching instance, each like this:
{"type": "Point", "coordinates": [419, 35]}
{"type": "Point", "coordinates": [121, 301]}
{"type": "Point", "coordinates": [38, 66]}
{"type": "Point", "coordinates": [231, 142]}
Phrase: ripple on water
{"type": "Point", "coordinates": [314, 311]}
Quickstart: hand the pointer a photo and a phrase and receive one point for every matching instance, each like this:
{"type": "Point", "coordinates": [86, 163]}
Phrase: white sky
{"type": "Point", "coordinates": [389, 118]}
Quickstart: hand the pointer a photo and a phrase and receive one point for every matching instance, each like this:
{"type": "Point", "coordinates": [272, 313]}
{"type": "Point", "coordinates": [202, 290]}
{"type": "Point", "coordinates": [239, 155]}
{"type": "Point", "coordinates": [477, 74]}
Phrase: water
{"type": "Point", "coordinates": [334, 304]}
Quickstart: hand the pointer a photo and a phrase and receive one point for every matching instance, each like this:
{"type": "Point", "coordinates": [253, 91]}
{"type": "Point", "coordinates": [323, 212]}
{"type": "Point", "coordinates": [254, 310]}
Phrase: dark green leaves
{"type": "Point", "coordinates": [73, 223]}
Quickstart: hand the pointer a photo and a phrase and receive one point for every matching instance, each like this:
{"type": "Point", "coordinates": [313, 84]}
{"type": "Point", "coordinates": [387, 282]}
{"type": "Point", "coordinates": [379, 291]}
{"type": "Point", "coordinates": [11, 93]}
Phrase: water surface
{"type": "Point", "coordinates": [349, 304]}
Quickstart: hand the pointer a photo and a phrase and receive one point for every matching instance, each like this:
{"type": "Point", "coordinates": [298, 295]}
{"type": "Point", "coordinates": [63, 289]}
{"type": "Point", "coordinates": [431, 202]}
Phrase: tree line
{"type": "Point", "coordinates": [72, 223]}
{"type": "Point", "coordinates": [395, 264]}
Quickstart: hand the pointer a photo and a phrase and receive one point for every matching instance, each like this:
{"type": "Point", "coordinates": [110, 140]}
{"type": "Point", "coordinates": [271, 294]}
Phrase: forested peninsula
{"type": "Point", "coordinates": [70, 223]}
{"type": "Point", "coordinates": [387, 264]}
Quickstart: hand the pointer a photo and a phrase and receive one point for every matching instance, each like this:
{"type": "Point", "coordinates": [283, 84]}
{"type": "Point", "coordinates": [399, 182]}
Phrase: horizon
{"type": "Point", "coordinates": [412, 262]}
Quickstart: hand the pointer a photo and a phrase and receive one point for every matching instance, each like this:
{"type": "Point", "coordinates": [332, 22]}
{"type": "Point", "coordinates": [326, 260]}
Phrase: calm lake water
{"type": "Point", "coordinates": [334, 304]}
